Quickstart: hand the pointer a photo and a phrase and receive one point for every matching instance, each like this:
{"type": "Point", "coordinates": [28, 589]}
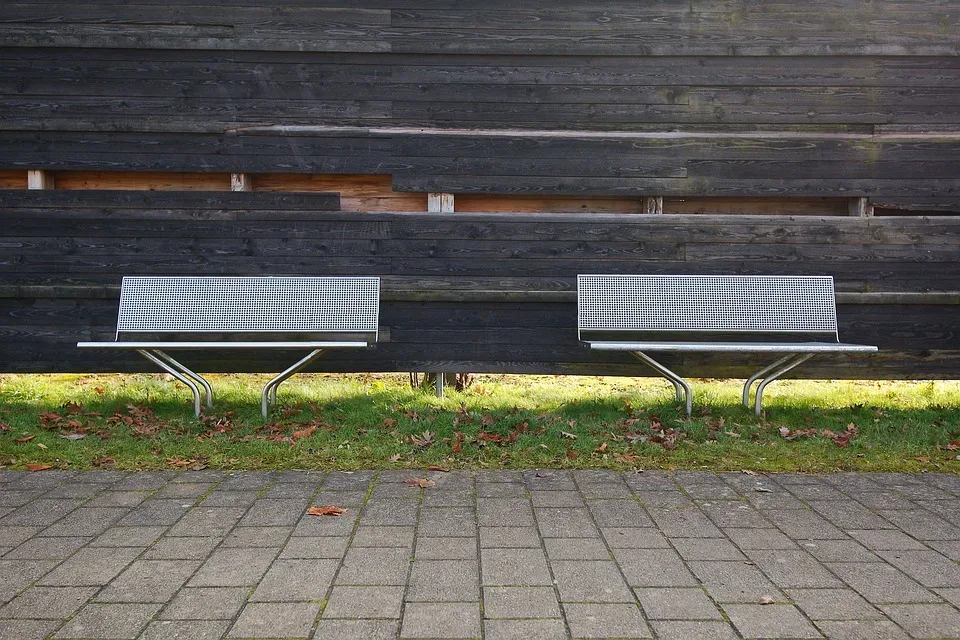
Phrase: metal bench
{"type": "Point", "coordinates": [793, 315]}
{"type": "Point", "coordinates": [158, 314]}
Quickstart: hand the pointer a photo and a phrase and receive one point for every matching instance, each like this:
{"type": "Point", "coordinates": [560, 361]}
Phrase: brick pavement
{"type": "Point", "coordinates": [492, 554]}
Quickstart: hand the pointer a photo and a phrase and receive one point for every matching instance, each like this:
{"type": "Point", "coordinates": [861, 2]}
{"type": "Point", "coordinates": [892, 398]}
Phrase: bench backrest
{"type": "Point", "coordinates": [249, 305]}
{"type": "Point", "coordinates": [708, 304]}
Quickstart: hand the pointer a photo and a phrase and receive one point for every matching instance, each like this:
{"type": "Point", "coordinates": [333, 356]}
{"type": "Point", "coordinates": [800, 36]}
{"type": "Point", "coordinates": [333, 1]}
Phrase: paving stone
{"type": "Point", "coordinates": [200, 475]}
{"type": "Point", "coordinates": [180, 490]}
{"type": "Point", "coordinates": [684, 523]}
{"type": "Point", "coordinates": [182, 548]}
{"type": "Point", "coordinates": [451, 481]}
{"type": "Point", "coordinates": [441, 620]}
{"type": "Point", "coordinates": [246, 481]}
{"type": "Point", "coordinates": [91, 567]}
{"type": "Point", "coordinates": [509, 537]}
{"type": "Point", "coordinates": [444, 581]}
{"type": "Point", "coordinates": [347, 481]}
{"type": "Point", "coordinates": [848, 514]}
{"type": "Point", "coordinates": [548, 480]}
{"type": "Point", "coordinates": [634, 538]}
{"type": "Point", "coordinates": [711, 491]}
{"type": "Point", "coordinates": [926, 620]}
{"type": "Point", "coordinates": [10, 498]}
{"type": "Point", "coordinates": [734, 581]}
{"type": "Point", "coordinates": [397, 491]}
{"type": "Point", "coordinates": [839, 551]}
{"type": "Point", "coordinates": [207, 521]}
{"type": "Point", "coordinates": [606, 621]}
{"type": "Point", "coordinates": [619, 513]}
{"type": "Point", "coordinates": [665, 499]}
{"type": "Point", "coordinates": [144, 480]}
{"type": "Point", "coordinates": [576, 549]}
{"type": "Point", "coordinates": [17, 574]}
{"type": "Point", "coordinates": [833, 604]}
{"type": "Point", "coordinates": [258, 537]}
{"type": "Point", "coordinates": [520, 602]}
{"type": "Point", "coordinates": [234, 568]}
{"type": "Point", "coordinates": [951, 595]}
{"type": "Point", "coordinates": [590, 581]}
{"type": "Point", "coordinates": [780, 500]}
{"type": "Point", "coordinates": [804, 524]}
{"type": "Point", "coordinates": [47, 548]}
{"type": "Point", "coordinates": [206, 603]}
{"type": "Point", "coordinates": [688, 629]}
{"type": "Point", "coordinates": [27, 629]}
{"type": "Point", "coordinates": [356, 630]}
{"type": "Point", "coordinates": [881, 583]}
{"type": "Point", "coordinates": [503, 512]}
{"type": "Point", "coordinates": [149, 581]}
{"type": "Point", "coordinates": [677, 604]}
{"type": "Point", "coordinates": [882, 500]}
{"type": "Point", "coordinates": [862, 630]}
{"type": "Point", "coordinates": [446, 548]}
{"type": "Point", "coordinates": [47, 602]}
{"type": "Point", "coordinates": [499, 476]}
{"type": "Point", "coordinates": [707, 549]}
{"type": "Point", "coordinates": [109, 621]}
{"type": "Point", "coordinates": [77, 490]}
{"type": "Point", "coordinates": [297, 580]}
{"type": "Point", "coordinates": [378, 536]}
{"type": "Point", "coordinates": [882, 540]}
{"type": "Point", "coordinates": [808, 492]}
{"type": "Point", "coordinates": [525, 630]}
{"type": "Point", "coordinates": [760, 539]}
{"type": "Point", "coordinates": [501, 490]}
{"type": "Point", "coordinates": [734, 515]}
{"type": "Point", "coordinates": [447, 522]}
{"type": "Point", "coordinates": [605, 490]}
{"type": "Point", "coordinates": [340, 498]}
{"type": "Point", "coordinates": [654, 568]}
{"type": "Point", "coordinates": [220, 498]}
{"type": "Point", "coordinates": [563, 499]}
{"type": "Point", "coordinates": [922, 525]}
{"type": "Point", "coordinates": [41, 512]}
{"type": "Point", "coordinates": [448, 499]}
{"type": "Point", "coordinates": [651, 481]}
{"type": "Point", "coordinates": [153, 513]}
{"type": "Point", "coordinates": [128, 537]}
{"type": "Point", "coordinates": [364, 602]}
{"type": "Point", "coordinates": [793, 568]}
{"type": "Point", "coordinates": [275, 620]}
{"type": "Point", "coordinates": [565, 523]}
{"type": "Point", "coordinates": [514, 567]}
{"type": "Point", "coordinates": [385, 567]}
{"type": "Point", "coordinates": [185, 630]}
{"type": "Point", "coordinates": [299, 491]}
{"type": "Point", "coordinates": [311, 526]}
{"type": "Point", "coordinates": [770, 621]}
{"type": "Point", "coordinates": [389, 512]}
{"type": "Point", "coordinates": [927, 567]}
{"type": "Point", "coordinates": [274, 513]}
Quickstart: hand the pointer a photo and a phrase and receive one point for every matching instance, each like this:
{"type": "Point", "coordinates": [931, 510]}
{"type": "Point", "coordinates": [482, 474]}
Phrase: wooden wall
{"type": "Point", "coordinates": [681, 98]}
{"type": "Point", "coordinates": [468, 292]}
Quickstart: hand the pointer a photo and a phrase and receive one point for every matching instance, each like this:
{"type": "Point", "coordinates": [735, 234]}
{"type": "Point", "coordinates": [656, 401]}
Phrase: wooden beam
{"type": "Point", "coordinates": [440, 202]}
{"type": "Point", "coordinates": [860, 208]}
{"type": "Point", "coordinates": [39, 179]}
{"type": "Point", "coordinates": [241, 182]}
{"type": "Point", "coordinates": [653, 204]}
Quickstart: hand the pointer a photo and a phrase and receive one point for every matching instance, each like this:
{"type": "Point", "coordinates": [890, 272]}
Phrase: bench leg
{"type": "Point", "coordinates": [759, 374]}
{"type": "Point", "coordinates": [797, 360]}
{"type": "Point", "coordinates": [440, 385]}
{"type": "Point", "coordinates": [179, 376]}
{"type": "Point", "coordinates": [678, 382]}
{"type": "Point", "coordinates": [270, 389]}
{"type": "Point", "coordinates": [196, 377]}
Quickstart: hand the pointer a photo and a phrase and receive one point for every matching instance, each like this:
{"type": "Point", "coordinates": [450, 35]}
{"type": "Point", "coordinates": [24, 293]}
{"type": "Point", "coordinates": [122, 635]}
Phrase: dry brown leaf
{"type": "Point", "coordinates": [395, 457]}
{"type": "Point", "coordinates": [767, 600]}
{"type": "Point", "coordinates": [38, 467]}
{"type": "Point", "coordinates": [567, 434]}
{"type": "Point", "coordinates": [457, 446]}
{"type": "Point", "coordinates": [76, 435]}
{"type": "Point", "coordinates": [329, 510]}
{"type": "Point", "coordinates": [40, 445]}
{"type": "Point", "coordinates": [25, 439]}
{"type": "Point", "coordinates": [748, 472]}
{"type": "Point", "coordinates": [437, 468]}
{"type": "Point", "coordinates": [389, 423]}
{"type": "Point", "coordinates": [105, 461]}
{"type": "Point", "coordinates": [304, 433]}
{"type": "Point", "coordinates": [487, 420]}
{"type": "Point", "coordinates": [420, 482]}
{"type": "Point", "coordinates": [4, 426]}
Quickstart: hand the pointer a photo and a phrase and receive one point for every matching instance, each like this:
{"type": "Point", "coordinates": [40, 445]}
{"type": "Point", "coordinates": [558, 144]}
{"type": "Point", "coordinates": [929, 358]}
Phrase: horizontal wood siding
{"type": "Point", "coordinates": [821, 98]}
{"type": "Point", "coordinates": [466, 291]}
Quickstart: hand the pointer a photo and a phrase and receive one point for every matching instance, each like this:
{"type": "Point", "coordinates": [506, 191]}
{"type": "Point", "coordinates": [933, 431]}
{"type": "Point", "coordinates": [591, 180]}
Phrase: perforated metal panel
{"type": "Point", "coordinates": [249, 304]}
{"type": "Point", "coordinates": [803, 304]}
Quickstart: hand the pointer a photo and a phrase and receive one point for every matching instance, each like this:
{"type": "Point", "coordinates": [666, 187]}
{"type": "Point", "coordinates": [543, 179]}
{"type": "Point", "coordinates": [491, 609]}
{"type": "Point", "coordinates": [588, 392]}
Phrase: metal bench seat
{"type": "Point", "coordinates": [323, 311]}
{"type": "Point", "coordinates": [624, 313]}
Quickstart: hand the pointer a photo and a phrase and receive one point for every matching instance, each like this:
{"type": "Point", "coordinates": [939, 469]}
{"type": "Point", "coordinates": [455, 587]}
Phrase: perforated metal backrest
{"type": "Point", "coordinates": [249, 304]}
{"type": "Point", "coordinates": [774, 304]}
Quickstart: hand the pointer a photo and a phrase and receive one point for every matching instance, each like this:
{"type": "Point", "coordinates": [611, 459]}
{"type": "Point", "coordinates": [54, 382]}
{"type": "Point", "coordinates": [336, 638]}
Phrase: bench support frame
{"type": "Point", "coordinates": [269, 395]}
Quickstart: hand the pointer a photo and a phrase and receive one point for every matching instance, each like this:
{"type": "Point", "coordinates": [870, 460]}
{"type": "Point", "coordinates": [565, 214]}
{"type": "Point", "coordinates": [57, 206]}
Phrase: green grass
{"type": "Point", "coordinates": [347, 422]}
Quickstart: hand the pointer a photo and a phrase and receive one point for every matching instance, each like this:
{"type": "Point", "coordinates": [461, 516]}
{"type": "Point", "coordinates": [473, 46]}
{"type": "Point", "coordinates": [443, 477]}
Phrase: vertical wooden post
{"type": "Point", "coordinates": [39, 179]}
{"type": "Point", "coordinates": [653, 204]}
{"type": "Point", "coordinates": [241, 182]}
{"type": "Point", "coordinates": [860, 207]}
{"type": "Point", "coordinates": [440, 203]}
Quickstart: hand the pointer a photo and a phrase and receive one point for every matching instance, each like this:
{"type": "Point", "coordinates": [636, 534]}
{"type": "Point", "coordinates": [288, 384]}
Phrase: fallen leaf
{"type": "Point", "coordinates": [304, 433]}
{"type": "Point", "coordinates": [628, 458]}
{"type": "Point", "coordinates": [767, 600]}
{"type": "Point", "coordinates": [25, 439]}
{"type": "Point", "coordinates": [436, 468]}
{"type": "Point", "coordinates": [326, 511]}
{"type": "Point", "coordinates": [567, 434]}
{"type": "Point", "coordinates": [389, 423]}
{"type": "Point", "coordinates": [748, 472]}
{"type": "Point", "coordinates": [40, 445]}
{"type": "Point", "coordinates": [922, 458]}
{"type": "Point", "coordinates": [38, 467]}
{"type": "Point", "coordinates": [106, 461]}
{"type": "Point", "coordinates": [457, 445]}
{"type": "Point", "coordinates": [762, 490]}
{"type": "Point", "coordinates": [395, 457]}
{"type": "Point", "coordinates": [420, 482]}
{"type": "Point", "coordinates": [487, 420]}
{"type": "Point", "coordinates": [602, 448]}
{"type": "Point", "coordinates": [4, 426]}
{"type": "Point", "coordinates": [784, 432]}
{"type": "Point", "coordinates": [73, 436]}
{"type": "Point", "coordinates": [572, 454]}
{"type": "Point", "coordinates": [423, 440]}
